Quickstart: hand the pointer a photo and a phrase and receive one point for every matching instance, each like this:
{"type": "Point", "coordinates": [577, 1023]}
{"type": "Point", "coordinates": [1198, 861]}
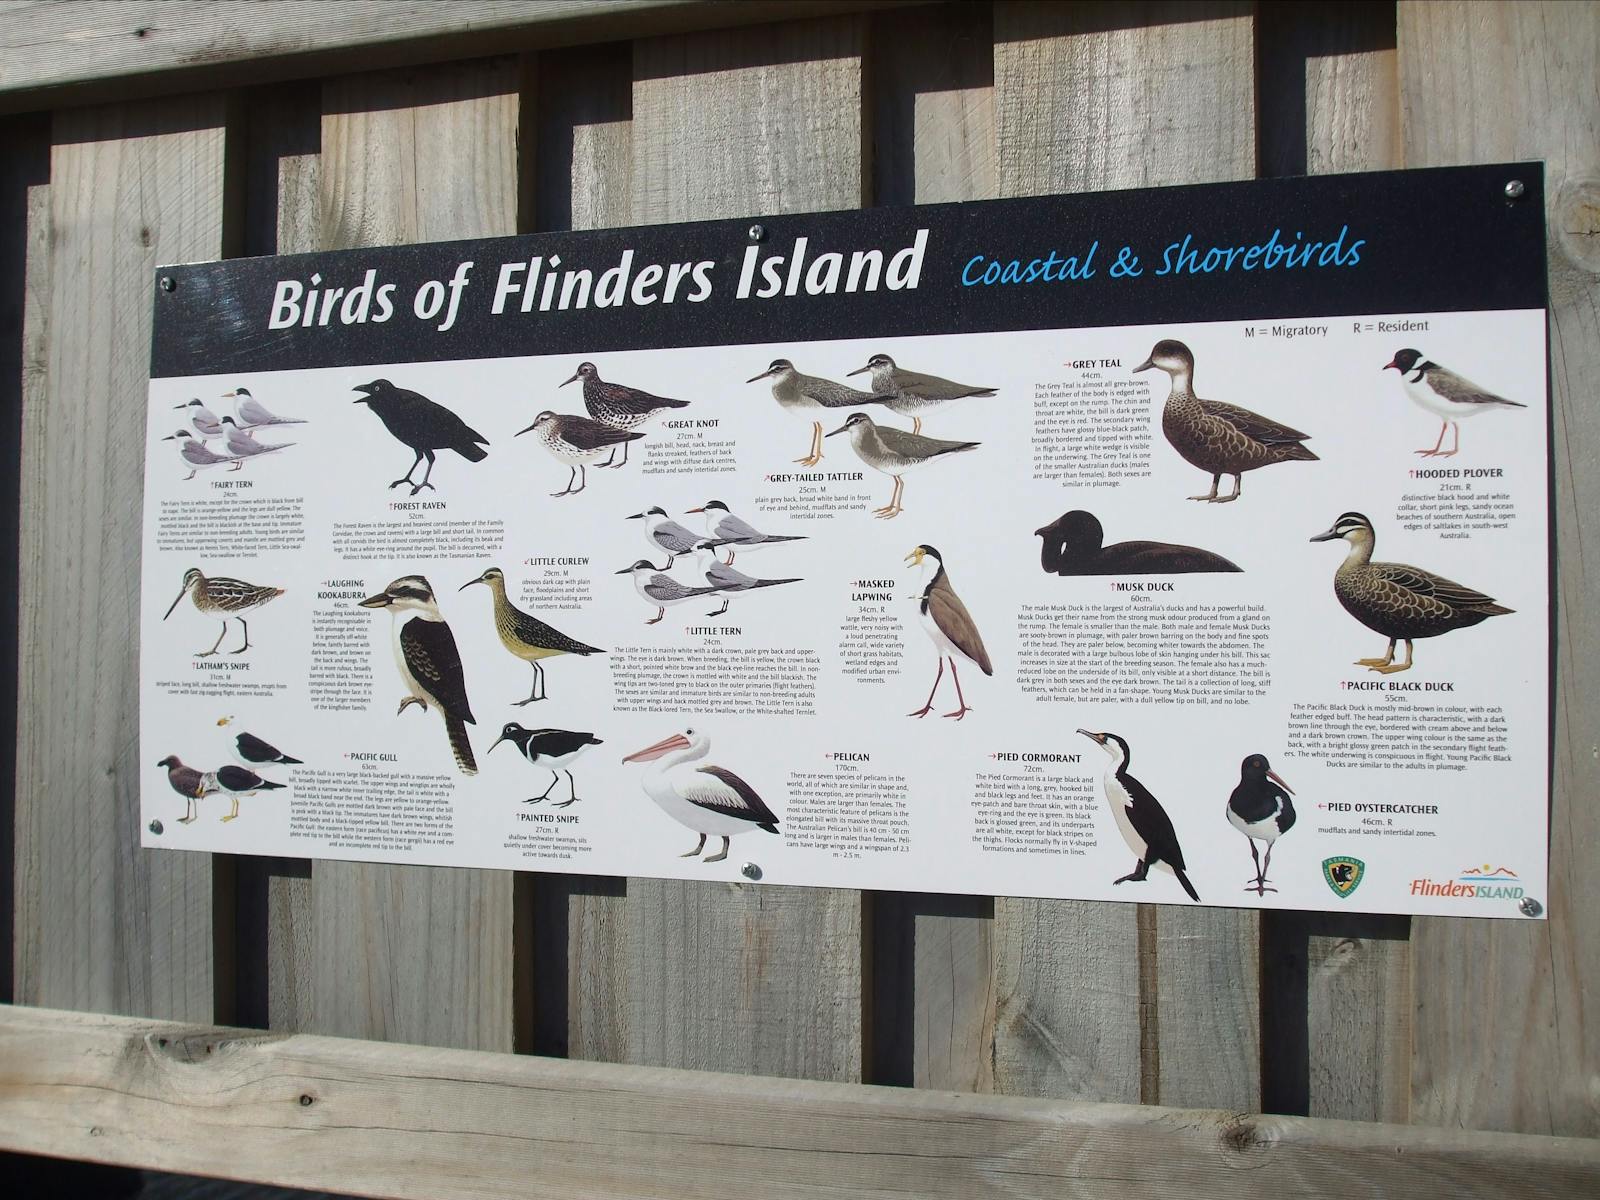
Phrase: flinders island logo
{"type": "Point", "coordinates": [1344, 874]}
{"type": "Point", "coordinates": [1473, 883]}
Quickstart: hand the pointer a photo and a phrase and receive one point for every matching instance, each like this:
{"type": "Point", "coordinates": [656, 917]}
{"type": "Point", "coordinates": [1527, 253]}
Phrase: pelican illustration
{"type": "Point", "coordinates": [710, 800]}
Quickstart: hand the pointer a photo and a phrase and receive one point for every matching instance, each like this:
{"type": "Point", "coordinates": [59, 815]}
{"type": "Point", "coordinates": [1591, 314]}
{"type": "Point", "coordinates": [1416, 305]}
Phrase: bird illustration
{"type": "Point", "coordinates": [894, 452]}
{"type": "Point", "coordinates": [222, 597]}
{"type": "Point", "coordinates": [1260, 808]}
{"type": "Point", "coordinates": [576, 441]}
{"type": "Point", "coordinates": [658, 588]}
{"type": "Point", "coordinates": [726, 579]}
{"type": "Point", "coordinates": [809, 397]}
{"type": "Point", "coordinates": [949, 626]}
{"type": "Point", "coordinates": [734, 534]}
{"type": "Point", "coordinates": [189, 783]}
{"type": "Point", "coordinates": [525, 636]}
{"type": "Point", "coordinates": [1216, 437]}
{"type": "Point", "coordinates": [430, 665]}
{"type": "Point", "coordinates": [553, 749]}
{"type": "Point", "coordinates": [914, 393]}
{"type": "Point", "coordinates": [242, 443]}
{"type": "Point", "coordinates": [710, 800]}
{"type": "Point", "coordinates": [240, 781]}
{"type": "Point", "coordinates": [197, 456]}
{"type": "Point", "coordinates": [252, 413]}
{"type": "Point", "coordinates": [1140, 819]}
{"type": "Point", "coordinates": [618, 406]}
{"type": "Point", "coordinates": [252, 751]}
{"type": "Point", "coordinates": [203, 420]}
{"type": "Point", "coordinates": [1446, 395]}
{"type": "Point", "coordinates": [1074, 544]}
{"type": "Point", "coordinates": [1396, 600]}
{"type": "Point", "coordinates": [663, 533]}
{"type": "Point", "coordinates": [419, 423]}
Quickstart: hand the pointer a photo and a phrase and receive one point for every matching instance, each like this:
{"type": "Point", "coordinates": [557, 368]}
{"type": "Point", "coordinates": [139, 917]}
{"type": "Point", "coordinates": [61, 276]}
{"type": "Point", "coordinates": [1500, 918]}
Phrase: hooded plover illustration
{"type": "Point", "coordinates": [1446, 395]}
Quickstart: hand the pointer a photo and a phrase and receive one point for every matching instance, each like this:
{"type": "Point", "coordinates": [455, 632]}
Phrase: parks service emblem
{"type": "Point", "coordinates": [1344, 874]}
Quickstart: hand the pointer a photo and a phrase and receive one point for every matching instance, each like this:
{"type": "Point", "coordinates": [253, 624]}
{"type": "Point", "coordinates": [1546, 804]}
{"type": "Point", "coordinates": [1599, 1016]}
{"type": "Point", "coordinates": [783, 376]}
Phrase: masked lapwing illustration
{"type": "Point", "coordinates": [894, 452]}
{"type": "Point", "coordinates": [198, 456]}
{"type": "Point", "coordinates": [251, 413]}
{"type": "Point", "coordinates": [1141, 820]}
{"type": "Point", "coordinates": [241, 781]}
{"type": "Point", "coordinates": [1261, 808]}
{"type": "Point", "coordinates": [1448, 396]}
{"type": "Point", "coordinates": [810, 396]}
{"type": "Point", "coordinates": [577, 441]}
{"type": "Point", "coordinates": [1399, 601]}
{"type": "Point", "coordinates": [949, 627]}
{"type": "Point", "coordinates": [710, 800]}
{"type": "Point", "coordinates": [656, 587]}
{"type": "Point", "coordinates": [1074, 544]}
{"type": "Point", "coordinates": [189, 783]}
{"type": "Point", "coordinates": [663, 533]}
{"type": "Point", "coordinates": [524, 635]}
{"type": "Point", "coordinates": [422, 426]}
{"type": "Point", "coordinates": [914, 394]}
{"type": "Point", "coordinates": [619, 406]}
{"type": "Point", "coordinates": [1216, 437]}
{"type": "Point", "coordinates": [734, 534]}
{"type": "Point", "coordinates": [553, 749]}
{"type": "Point", "coordinates": [254, 752]}
{"type": "Point", "coordinates": [430, 665]}
{"type": "Point", "coordinates": [727, 579]}
{"type": "Point", "coordinates": [220, 596]}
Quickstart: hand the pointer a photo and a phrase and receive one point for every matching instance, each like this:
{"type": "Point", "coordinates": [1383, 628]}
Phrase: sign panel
{"type": "Point", "coordinates": [1140, 546]}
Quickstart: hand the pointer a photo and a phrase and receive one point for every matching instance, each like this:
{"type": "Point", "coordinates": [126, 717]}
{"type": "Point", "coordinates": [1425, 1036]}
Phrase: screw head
{"type": "Point", "coordinates": [1515, 189]}
{"type": "Point", "coordinates": [750, 871]}
{"type": "Point", "coordinates": [1529, 907]}
{"type": "Point", "coordinates": [156, 827]}
{"type": "Point", "coordinates": [168, 283]}
{"type": "Point", "coordinates": [757, 232]}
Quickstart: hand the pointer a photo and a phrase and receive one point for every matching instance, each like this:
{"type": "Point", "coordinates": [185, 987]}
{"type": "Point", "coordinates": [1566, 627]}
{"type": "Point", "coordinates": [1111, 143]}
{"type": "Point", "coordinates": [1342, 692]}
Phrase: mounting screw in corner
{"type": "Point", "coordinates": [1515, 189]}
{"type": "Point", "coordinates": [168, 283]}
{"type": "Point", "coordinates": [750, 871]}
{"type": "Point", "coordinates": [1529, 907]}
{"type": "Point", "coordinates": [156, 827]}
{"type": "Point", "coordinates": [757, 232]}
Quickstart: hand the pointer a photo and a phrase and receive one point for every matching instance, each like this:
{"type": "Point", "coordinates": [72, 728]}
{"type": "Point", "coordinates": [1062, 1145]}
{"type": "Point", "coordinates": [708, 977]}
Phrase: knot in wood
{"type": "Point", "coordinates": [1238, 1133]}
{"type": "Point", "coordinates": [1575, 215]}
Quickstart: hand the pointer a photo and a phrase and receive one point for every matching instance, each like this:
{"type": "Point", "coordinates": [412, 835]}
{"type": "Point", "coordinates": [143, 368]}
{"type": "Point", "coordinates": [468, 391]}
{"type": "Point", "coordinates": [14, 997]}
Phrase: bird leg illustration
{"type": "Point", "coordinates": [717, 612]}
{"type": "Point", "coordinates": [538, 687]}
{"type": "Point", "coordinates": [964, 708]}
{"type": "Point", "coordinates": [244, 625]}
{"type": "Point", "coordinates": [215, 644]}
{"type": "Point", "coordinates": [1454, 446]}
{"type": "Point", "coordinates": [916, 424]}
{"type": "Point", "coordinates": [408, 702]}
{"type": "Point", "coordinates": [1379, 662]}
{"type": "Point", "coordinates": [235, 811]}
{"type": "Point", "coordinates": [814, 456]}
{"type": "Point", "coordinates": [189, 813]}
{"type": "Point", "coordinates": [1261, 882]}
{"type": "Point", "coordinates": [1137, 875]}
{"type": "Point", "coordinates": [893, 509]}
{"type": "Point", "coordinates": [720, 854]}
{"type": "Point", "coordinates": [554, 779]}
{"type": "Point", "coordinates": [612, 461]}
{"type": "Point", "coordinates": [406, 478]}
{"type": "Point", "coordinates": [1386, 665]}
{"type": "Point", "coordinates": [572, 474]}
{"type": "Point", "coordinates": [1211, 497]}
{"type": "Point", "coordinates": [656, 620]}
{"type": "Point", "coordinates": [698, 846]}
{"type": "Point", "coordinates": [572, 793]}
{"type": "Point", "coordinates": [928, 707]}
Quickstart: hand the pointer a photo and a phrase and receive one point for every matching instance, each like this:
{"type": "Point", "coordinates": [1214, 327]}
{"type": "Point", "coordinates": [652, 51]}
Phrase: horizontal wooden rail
{"type": "Point", "coordinates": [406, 1121]}
{"type": "Point", "coordinates": [54, 52]}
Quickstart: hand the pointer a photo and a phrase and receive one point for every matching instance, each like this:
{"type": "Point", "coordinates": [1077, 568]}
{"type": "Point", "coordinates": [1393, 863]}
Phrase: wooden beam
{"type": "Point", "coordinates": [1506, 1034]}
{"type": "Point", "coordinates": [101, 923]}
{"type": "Point", "coordinates": [380, 1119]}
{"type": "Point", "coordinates": [54, 53]}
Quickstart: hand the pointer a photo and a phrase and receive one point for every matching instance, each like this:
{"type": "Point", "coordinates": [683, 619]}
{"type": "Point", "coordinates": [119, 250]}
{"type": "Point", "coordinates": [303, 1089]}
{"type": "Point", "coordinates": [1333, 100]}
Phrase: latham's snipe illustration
{"type": "Point", "coordinates": [1223, 439]}
{"type": "Point", "coordinates": [222, 597]}
{"type": "Point", "coordinates": [1397, 600]}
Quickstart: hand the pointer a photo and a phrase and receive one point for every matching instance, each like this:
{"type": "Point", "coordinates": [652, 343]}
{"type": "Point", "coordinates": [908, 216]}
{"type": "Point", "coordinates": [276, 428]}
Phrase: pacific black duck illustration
{"type": "Point", "coordinates": [1223, 439]}
{"type": "Point", "coordinates": [1399, 601]}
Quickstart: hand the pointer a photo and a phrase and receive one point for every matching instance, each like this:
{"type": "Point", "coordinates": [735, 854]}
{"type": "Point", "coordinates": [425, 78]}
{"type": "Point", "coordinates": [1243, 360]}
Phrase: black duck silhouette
{"type": "Point", "coordinates": [1074, 544]}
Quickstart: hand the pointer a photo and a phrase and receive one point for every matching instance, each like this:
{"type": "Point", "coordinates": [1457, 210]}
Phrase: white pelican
{"type": "Point", "coordinates": [710, 800]}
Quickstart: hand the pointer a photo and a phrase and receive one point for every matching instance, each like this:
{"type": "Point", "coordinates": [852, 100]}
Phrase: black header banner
{"type": "Point", "coordinates": [1439, 240]}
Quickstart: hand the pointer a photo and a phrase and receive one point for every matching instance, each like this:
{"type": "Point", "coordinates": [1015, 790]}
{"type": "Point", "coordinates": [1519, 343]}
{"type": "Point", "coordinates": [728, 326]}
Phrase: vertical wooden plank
{"type": "Point", "coordinates": [1506, 1036]}
{"type": "Point", "coordinates": [932, 102]}
{"type": "Point", "coordinates": [582, 181]}
{"type": "Point", "coordinates": [24, 262]}
{"type": "Point", "coordinates": [401, 953]}
{"type": "Point", "coordinates": [1336, 988]}
{"type": "Point", "coordinates": [731, 976]}
{"type": "Point", "coordinates": [108, 926]}
{"type": "Point", "coordinates": [1110, 96]}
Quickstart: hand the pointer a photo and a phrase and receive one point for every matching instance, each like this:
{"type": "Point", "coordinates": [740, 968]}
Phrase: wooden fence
{"type": "Point", "coordinates": [1026, 1032]}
